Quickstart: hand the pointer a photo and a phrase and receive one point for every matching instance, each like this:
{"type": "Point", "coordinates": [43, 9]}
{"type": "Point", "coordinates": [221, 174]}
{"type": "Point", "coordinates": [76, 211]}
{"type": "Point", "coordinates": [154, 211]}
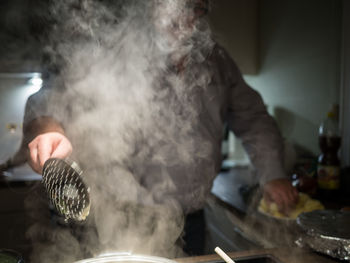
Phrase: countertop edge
{"type": "Point", "coordinates": [284, 255]}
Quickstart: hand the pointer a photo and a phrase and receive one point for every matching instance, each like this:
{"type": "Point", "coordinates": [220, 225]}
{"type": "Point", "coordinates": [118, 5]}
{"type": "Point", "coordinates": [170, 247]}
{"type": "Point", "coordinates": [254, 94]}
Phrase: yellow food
{"type": "Point", "coordinates": [305, 204]}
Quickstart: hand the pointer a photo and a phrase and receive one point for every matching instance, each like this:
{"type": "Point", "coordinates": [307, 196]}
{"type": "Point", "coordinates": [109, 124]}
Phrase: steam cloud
{"type": "Point", "coordinates": [134, 123]}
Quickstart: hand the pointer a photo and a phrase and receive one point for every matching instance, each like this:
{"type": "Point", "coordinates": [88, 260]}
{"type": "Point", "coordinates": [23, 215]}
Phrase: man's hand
{"type": "Point", "coordinates": [45, 146]}
{"type": "Point", "coordinates": [281, 192]}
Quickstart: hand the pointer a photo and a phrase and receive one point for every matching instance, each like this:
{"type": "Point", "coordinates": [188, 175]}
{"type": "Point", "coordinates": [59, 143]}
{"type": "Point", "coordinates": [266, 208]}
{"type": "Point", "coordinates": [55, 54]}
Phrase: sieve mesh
{"type": "Point", "coordinates": [66, 189]}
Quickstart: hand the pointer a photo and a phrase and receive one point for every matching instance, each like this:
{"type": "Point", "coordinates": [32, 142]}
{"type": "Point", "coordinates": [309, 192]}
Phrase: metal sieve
{"type": "Point", "coordinates": [66, 189]}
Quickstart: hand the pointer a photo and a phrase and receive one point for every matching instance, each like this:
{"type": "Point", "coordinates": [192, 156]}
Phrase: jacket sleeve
{"type": "Point", "coordinates": [38, 119]}
{"type": "Point", "coordinates": [250, 121]}
{"type": "Point", "coordinates": [36, 106]}
{"type": "Point", "coordinates": [41, 115]}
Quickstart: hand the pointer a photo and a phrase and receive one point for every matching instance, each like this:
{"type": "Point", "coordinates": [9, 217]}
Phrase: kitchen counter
{"type": "Point", "coordinates": [234, 200]}
{"type": "Point", "coordinates": [16, 185]}
{"type": "Point", "coordinates": [281, 255]}
{"type": "Point", "coordinates": [234, 203]}
{"type": "Point", "coordinates": [19, 175]}
{"type": "Point", "coordinates": [258, 229]}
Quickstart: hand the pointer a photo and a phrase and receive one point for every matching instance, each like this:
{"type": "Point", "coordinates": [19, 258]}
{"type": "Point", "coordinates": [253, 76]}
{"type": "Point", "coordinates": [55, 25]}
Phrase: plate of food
{"type": "Point", "coordinates": [305, 204]}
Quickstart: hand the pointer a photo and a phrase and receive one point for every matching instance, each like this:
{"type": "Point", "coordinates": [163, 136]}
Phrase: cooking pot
{"type": "Point", "coordinates": [127, 258]}
{"type": "Point", "coordinates": [10, 256]}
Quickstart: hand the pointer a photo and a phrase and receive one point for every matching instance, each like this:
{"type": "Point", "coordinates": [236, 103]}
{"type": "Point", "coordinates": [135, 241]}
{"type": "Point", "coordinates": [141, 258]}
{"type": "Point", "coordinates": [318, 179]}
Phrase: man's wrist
{"type": "Point", "coordinates": [39, 126]}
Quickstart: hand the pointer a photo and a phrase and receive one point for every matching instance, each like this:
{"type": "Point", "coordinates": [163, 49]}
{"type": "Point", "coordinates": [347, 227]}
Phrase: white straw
{"type": "Point", "coordinates": [223, 255]}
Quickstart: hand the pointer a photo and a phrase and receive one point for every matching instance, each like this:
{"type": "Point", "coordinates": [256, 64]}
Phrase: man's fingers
{"type": "Point", "coordinates": [44, 151]}
{"type": "Point", "coordinates": [268, 197]}
{"type": "Point", "coordinates": [35, 166]}
{"type": "Point", "coordinates": [282, 193]}
{"type": "Point", "coordinates": [283, 203]}
{"type": "Point", "coordinates": [293, 198]}
{"type": "Point", "coordinates": [291, 195]}
{"type": "Point", "coordinates": [46, 146]}
{"type": "Point", "coordinates": [33, 156]}
{"type": "Point", "coordinates": [295, 195]}
{"type": "Point", "coordinates": [63, 149]}
{"type": "Point", "coordinates": [33, 151]}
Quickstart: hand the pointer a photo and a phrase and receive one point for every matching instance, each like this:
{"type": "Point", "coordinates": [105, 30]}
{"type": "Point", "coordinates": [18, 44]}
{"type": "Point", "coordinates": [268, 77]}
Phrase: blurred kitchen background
{"type": "Point", "coordinates": [292, 52]}
{"type": "Point", "coordinates": [296, 53]}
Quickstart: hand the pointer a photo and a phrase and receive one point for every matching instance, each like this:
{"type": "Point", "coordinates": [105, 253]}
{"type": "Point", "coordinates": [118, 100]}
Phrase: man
{"type": "Point", "coordinates": [220, 96]}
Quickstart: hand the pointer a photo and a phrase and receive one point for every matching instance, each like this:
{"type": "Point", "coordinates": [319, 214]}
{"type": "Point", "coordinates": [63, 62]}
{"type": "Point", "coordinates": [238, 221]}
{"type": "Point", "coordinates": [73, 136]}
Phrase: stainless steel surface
{"type": "Point", "coordinates": [22, 173]}
{"type": "Point", "coordinates": [235, 187]}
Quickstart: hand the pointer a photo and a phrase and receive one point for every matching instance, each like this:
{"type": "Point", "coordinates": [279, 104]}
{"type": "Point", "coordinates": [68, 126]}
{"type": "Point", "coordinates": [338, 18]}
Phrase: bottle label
{"type": "Point", "coordinates": [328, 177]}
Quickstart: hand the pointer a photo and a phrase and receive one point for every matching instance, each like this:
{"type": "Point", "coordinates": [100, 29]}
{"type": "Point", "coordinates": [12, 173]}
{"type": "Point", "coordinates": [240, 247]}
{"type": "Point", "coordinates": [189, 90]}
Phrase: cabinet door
{"type": "Point", "coordinates": [345, 87]}
{"type": "Point", "coordinates": [235, 26]}
{"type": "Point", "coordinates": [14, 218]}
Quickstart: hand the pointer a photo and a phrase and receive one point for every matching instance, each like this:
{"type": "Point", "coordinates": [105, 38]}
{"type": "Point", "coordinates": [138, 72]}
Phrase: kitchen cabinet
{"type": "Point", "coordinates": [14, 220]}
{"type": "Point", "coordinates": [223, 233]}
{"type": "Point", "coordinates": [345, 86]}
{"type": "Point", "coordinates": [19, 50]}
{"type": "Point", "coordinates": [235, 26]}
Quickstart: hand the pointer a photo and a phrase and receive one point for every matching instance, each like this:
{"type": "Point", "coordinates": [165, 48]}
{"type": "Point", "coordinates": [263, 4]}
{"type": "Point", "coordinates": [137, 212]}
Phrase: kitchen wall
{"type": "Point", "coordinates": [234, 24]}
{"type": "Point", "coordinates": [345, 85]}
{"type": "Point", "coordinates": [299, 65]}
{"type": "Point", "coordinates": [14, 90]}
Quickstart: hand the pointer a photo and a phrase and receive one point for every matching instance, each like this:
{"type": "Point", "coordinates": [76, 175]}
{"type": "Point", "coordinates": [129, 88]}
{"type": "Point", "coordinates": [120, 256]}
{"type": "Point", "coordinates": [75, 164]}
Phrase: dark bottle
{"type": "Point", "coordinates": [328, 169]}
